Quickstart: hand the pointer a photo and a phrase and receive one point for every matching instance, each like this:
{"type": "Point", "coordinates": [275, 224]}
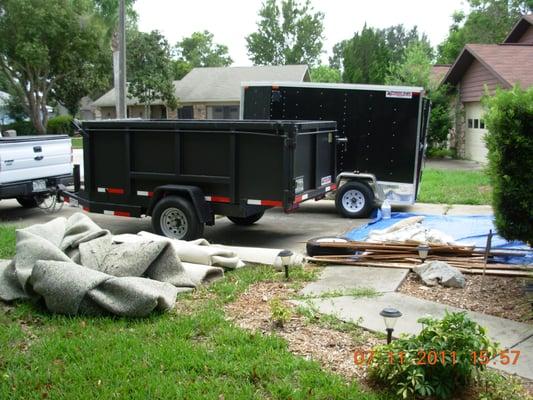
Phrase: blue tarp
{"type": "Point", "coordinates": [469, 230]}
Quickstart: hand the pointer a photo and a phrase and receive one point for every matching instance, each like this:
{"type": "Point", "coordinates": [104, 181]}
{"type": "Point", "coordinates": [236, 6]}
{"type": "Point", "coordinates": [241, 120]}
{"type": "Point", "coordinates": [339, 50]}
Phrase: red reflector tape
{"type": "Point", "coordinates": [117, 213]}
{"type": "Point", "coordinates": [66, 199]}
{"type": "Point", "coordinates": [115, 191]}
{"type": "Point", "coordinates": [218, 199]}
{"type": "Point", "coordinates": [268, 203]}
{"type": "Point", "coordinates": [86, 209]}
{"type": "Point", "coordinates": [271, 203]}
{"type": "Point", "coordinates": [145, 193]}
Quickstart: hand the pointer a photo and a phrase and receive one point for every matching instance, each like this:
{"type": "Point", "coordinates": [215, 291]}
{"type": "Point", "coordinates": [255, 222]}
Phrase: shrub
{"type": "Point", "coordinates": [454, 339]}
{"type": "Point", "coordinates": [281, 313]}
{"type": "Point", "coordinates": [494, 386]}
{"type": "Point", "coordinates": [440, 121]}
{"type": "Point", "coordinates": [62, 124]}
{"type": "Point", "coordinates": [22, 128]}
{"type": "Point", "coordinates": [509, 120]}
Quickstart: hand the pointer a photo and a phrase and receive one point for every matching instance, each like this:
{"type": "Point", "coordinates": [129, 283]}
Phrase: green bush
{"type": "Point", "coordinates": [62, 124]}
{"type": "Point", "coordinates": [22, 128]}
{"type": "Point", "coordinates": [509, 120]}
{"type": "Point", "coordinates": [454, 339]}
{"type": "Point", "coordinates": [440, 121]}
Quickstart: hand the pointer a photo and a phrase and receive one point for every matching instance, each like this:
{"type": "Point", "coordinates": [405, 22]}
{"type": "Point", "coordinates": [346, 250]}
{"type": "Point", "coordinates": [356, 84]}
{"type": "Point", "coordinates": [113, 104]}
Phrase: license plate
{"type": "Point", "coordinates": [39, 186]}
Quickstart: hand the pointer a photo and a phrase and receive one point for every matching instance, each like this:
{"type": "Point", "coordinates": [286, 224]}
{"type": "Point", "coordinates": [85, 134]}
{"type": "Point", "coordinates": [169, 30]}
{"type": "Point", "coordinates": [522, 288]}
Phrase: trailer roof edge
{"type": "Point", "coordinates": [334, 85]}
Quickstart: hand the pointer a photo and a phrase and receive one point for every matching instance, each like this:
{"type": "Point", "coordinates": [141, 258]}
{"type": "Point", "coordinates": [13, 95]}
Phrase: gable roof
{"type": "Point", "coordinates": [510, 64]}
{"type": "Point", "coordinates": [519, 29]}
{"type": "Point", "coordinates": [438, 71]}
{"type": "Point", "coordinates": [224, 83]}
{"type": "Point", "coordinates": [220, 84]}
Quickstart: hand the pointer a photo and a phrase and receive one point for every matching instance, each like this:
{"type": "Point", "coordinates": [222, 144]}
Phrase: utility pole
{"type": "Point", "coordinates": [121, 89]}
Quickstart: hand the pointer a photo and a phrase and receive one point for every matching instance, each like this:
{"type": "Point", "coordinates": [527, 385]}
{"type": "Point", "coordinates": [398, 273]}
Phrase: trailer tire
{"type": "Point", "coordinates": [354, 200]}
{"type": "Point", "coordinates": [247, 221]}
{"type": "Point", "coordinates": [313, 247]}
{"type": "Point", "coordinates": [29, 201]}
{"type": "Point", "coordinates": [175, 218]}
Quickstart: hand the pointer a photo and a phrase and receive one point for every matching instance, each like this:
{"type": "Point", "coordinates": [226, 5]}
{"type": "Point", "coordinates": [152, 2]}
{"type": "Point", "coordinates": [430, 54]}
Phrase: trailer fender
{"type": "Point", "coordinates": [366, 178]}
{"type": "Point", "coordinates": [192, 193]}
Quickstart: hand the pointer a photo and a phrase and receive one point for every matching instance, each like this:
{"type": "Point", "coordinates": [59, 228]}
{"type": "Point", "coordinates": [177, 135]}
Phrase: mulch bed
{"type": "Point", "coordinates": [334, 350]}
{"type": "Point", "coordinates": [499, 296]}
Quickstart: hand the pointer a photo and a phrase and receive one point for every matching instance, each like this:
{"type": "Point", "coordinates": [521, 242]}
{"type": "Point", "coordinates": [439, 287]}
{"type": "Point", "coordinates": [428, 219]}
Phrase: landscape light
{"type": "Point", "coordinates": [423, 250]}
{"type": "Point", "coordinates": [285, 256]}
{"type": "Point", "coordinates": [390, 316]}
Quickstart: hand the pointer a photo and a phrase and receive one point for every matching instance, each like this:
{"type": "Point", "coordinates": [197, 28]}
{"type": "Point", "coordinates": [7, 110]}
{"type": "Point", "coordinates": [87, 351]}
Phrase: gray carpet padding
{"type": "Point", "coordinates": [76, 268]}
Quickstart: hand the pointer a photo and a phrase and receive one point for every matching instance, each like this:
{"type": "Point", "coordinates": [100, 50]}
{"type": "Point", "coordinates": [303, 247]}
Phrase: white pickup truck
{"type": "Point", "coordinates": [31, 167]}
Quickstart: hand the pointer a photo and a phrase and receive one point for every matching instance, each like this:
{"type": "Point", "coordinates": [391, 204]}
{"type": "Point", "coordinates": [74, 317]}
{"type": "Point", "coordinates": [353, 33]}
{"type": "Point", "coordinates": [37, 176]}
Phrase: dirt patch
{"type": "Point", "coordinates": [501, 296]}
{"type": "Point", "coordinates": [333, 349]}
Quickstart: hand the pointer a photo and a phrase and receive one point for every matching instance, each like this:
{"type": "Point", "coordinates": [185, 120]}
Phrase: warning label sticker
{"type": "Point", "coordinates": [399, 94]}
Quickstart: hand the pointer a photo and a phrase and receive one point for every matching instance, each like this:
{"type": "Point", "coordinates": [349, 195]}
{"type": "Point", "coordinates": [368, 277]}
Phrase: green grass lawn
{"type": "Point", "coordinates": [7, 241]}
{"type": "Point", "coordinates": [77, 143]}
{"type": "Point", "coordinates": [196, 355]}
{"type": "Point", "coordinates": [454, 187]}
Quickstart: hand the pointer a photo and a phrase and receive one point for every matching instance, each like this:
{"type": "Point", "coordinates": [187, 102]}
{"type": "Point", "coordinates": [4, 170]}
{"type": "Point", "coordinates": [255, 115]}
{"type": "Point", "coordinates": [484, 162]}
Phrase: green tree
{"type": "Point", "coordinates": [94, 78]}
{"type": "Point", "coordinates": [290, 34]}
{"type": "Point", "coordinates": [413, 69]}
{"type": "Point", "coordinates": [41, 44]}
{"type": "Point", "coordinates": [326, 74]}
{"type": "Point", "coordinates": [150, 69]}
{"type": "Point", "coordinates": [366, 57]}
{"type": "Point", "coordinates": [489, 21]}
{"type": "Point", "coordinates": [337, 59]}
{"type": "Point", "coordinates": [398, 39]}
{"type": "Point", "coordinates": [199, 50]}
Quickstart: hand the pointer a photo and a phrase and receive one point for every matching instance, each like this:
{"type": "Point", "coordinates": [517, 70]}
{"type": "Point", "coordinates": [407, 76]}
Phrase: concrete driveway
{"type": "Point", "coordinates": [275, 229]}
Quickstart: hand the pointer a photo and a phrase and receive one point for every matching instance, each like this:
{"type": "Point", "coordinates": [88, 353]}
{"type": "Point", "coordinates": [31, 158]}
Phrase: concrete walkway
{"type": "Point", "coordinates": [364, 311]}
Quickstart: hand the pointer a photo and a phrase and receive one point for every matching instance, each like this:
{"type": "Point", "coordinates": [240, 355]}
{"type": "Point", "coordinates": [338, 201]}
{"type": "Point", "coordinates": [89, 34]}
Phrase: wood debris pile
{"type": "Point", "coordinates": [405, 254]}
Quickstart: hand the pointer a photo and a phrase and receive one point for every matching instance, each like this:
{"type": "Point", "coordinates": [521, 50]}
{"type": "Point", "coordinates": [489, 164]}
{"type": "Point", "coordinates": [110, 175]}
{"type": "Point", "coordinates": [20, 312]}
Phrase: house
{"type": "Point", "coordinates": [206, 93]}
{"type": "Point", "coordinates": [480, 69]}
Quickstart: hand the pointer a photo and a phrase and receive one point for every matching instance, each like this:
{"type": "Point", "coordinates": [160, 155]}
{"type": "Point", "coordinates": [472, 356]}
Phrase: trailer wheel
{"type": "Point", "coordinates": [29, 201]}
{"type": "Point", "coordinates": [175, 218]}
{"type": "Point", "coordinates": [354, 200]}
{"type": "Point", "coordinates": [247, 221]}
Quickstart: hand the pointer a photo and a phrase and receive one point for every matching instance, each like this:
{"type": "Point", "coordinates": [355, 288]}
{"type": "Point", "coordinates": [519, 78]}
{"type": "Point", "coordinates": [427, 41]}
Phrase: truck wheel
{"type": "Point", "coordinates": [175, 218]}
{"type": "Point", "coordinates": [29, 202]}
{"type": "Point", "coordinates": [354, 200]}
{"type": "Point", "coordinates": [249, 220]}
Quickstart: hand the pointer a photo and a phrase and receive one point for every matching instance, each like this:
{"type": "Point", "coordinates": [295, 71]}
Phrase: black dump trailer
{"type": "Point", "coordinates": [384, 126]}
{"type": "Point", "coordinates": [183, 172]}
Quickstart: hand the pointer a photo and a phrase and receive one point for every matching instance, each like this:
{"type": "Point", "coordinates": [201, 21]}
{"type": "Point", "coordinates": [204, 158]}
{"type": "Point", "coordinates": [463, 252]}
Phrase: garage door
{"type": "Point", "coordinates": [475, 148]}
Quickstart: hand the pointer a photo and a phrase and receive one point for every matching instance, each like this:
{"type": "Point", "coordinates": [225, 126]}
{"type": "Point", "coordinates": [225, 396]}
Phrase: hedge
{"type": "Point", "coordinates": [509, 120]}
{"type": "Point", "coordinates": [62, 124]}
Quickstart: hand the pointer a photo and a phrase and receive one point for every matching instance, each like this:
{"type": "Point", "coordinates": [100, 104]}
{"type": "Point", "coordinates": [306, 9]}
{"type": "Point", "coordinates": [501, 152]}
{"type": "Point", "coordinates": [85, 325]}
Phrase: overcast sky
{"type": "Point", "coordinates": [232, 20]}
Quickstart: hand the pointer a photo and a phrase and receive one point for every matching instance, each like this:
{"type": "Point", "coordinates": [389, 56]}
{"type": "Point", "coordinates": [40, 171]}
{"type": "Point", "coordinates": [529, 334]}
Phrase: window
{"type": "Point", "coordinates": [470, 122]}
{"type": "Point", "coordinates": [223, 112]}
{"type": "Point", "coordinates": [185, 112]}
{"type": "Point", "coordinates": [476, 123]}
{"type": "Point", "coordinates": [481, 124]}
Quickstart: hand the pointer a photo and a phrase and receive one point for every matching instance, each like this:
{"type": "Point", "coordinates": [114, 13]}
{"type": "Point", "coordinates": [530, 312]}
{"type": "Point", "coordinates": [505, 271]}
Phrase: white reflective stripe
{"type": "Point", "coordinates": [142, 193]}
{"type": "Point", "coordinates": [305, 196]}
{"type": "Point", "coordinates": [254, 202]}
{"type": "Point", "coordinates": [101, 190]}
{"type": "Point", "coordinates": [328, 188]}
{"type": "Point", "coordinates": [207, 198]}
{"type": "Point", "coordinates": [107, 212]}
